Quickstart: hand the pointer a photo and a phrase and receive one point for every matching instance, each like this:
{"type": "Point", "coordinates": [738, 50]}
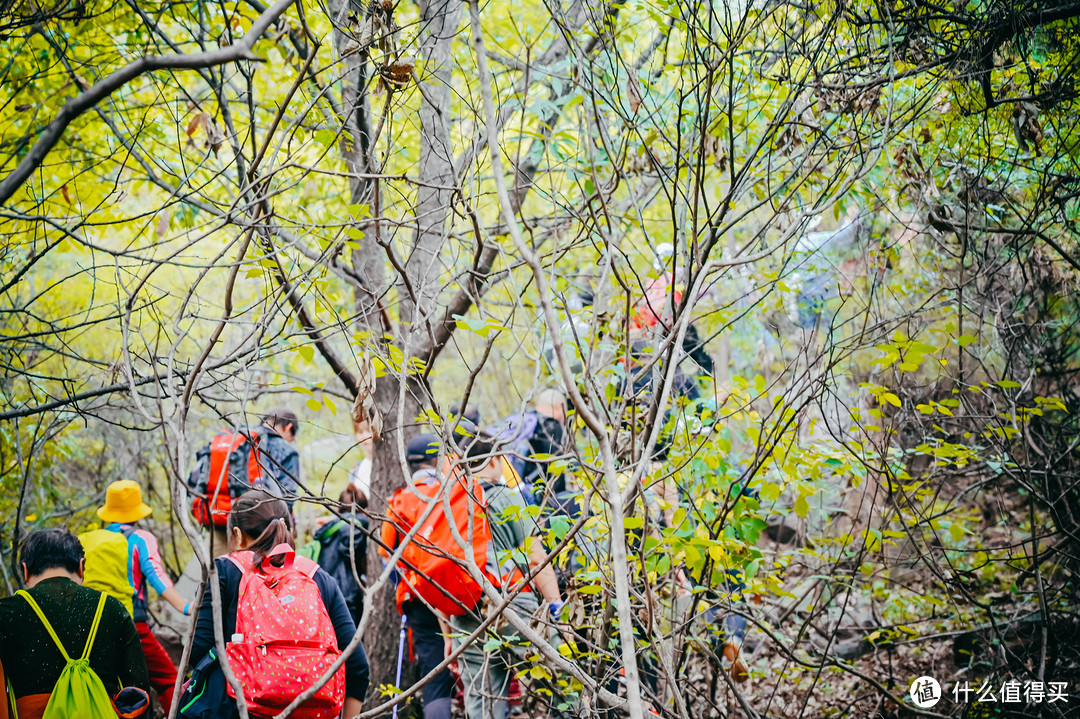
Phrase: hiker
{"type": "Point", "coordinates": [427, 631]}
{"type": "Point", "coordinates": [468, 412]}
{"type": "Point", "coordinates": [653, 313]}
{"type": "Point", "coordinates": [360, 474]}
{"type": "Point", "coordinates": [123, 561]}
{"type": "Point", "coordinates": [57, 611]}
{"type": "Point", "coordinates": [232, 463]}
{"type": "Point", "coordinates": [539, 431]}
{"type": "Point", "coordinates": [487, 675]}
{"type": "Point", "coordinates": [341, 550]}
{"type": "Point", "coordinates": [262, 548]}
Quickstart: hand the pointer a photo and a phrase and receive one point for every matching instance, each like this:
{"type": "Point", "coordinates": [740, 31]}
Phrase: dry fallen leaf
{"type": "Point", "coordinates": [364, 408]}
{"type": "Point", "coordinates": [200, 120]}
{"type": "Point", "coordinates": [397, 74]}
{"type": "Point", "coordinates": [215, 136]}
{"type": "Point", "coordinates": [163, 224]}
{"type": "Point", "coordinates": [633, 92]}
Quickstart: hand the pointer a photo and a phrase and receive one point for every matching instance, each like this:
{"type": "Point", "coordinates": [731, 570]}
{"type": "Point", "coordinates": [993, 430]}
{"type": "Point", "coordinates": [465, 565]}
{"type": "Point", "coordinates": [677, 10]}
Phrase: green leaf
{"type": "Point", "coordinates": [802, 507]}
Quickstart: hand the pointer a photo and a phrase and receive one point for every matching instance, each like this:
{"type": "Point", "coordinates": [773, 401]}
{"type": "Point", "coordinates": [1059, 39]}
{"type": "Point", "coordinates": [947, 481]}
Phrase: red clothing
{"type": "Point", "coordinates": [159, 665]}
{"type": "Point", "coordinates": [656, 306]}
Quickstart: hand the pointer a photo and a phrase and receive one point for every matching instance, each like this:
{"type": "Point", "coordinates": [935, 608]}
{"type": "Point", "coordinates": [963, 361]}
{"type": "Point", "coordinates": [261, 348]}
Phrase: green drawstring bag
{"type": "Point", "coordinates": [79, 692]}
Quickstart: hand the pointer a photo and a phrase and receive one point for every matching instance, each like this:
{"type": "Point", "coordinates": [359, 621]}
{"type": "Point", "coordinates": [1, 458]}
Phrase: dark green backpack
{"type": "Point", "coordinates": [313, 549]}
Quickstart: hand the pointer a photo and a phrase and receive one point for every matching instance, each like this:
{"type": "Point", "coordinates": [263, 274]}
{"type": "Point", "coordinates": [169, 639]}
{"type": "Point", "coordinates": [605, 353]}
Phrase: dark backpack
{"type": "Point", "coordinates": [514, 436]}
{"type": "Point", "coordinates": [224, 470]}
{"type": "Point", "coordinates": [332, 545]}
{"type": "Point", "coordinates": [203, 695]}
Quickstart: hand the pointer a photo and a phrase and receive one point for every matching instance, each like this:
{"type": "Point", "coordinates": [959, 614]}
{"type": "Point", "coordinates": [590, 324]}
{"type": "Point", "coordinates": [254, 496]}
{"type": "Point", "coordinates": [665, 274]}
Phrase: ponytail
{"type": "Point", "coordinates": [265, 520]}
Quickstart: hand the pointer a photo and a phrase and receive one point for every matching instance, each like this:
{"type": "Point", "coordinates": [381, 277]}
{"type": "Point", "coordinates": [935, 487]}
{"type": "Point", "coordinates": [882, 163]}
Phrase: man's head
{"type": "Point", "coordinates": [52, 553]}
{"type": "Point", "coordinates": [484, 459]}
{"type": "Point", "coordinates": [283, 421]}
{"type": "Point", "coordinates": [552, 402]}
{"type": "Point", "coordinates": [422, 452]}
{"type": "Point", "coordinates": [469, 412]}
{"type": "Point", "coordinates": [463, 433]}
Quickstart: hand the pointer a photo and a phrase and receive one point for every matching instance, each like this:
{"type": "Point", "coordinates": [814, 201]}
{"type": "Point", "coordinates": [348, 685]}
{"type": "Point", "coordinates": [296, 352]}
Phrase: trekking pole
{"type": "Point", "coordinates": [400, 658]}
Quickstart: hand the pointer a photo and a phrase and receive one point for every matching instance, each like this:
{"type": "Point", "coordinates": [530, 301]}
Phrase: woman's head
{"type": "Point", "coordinates": [258, 523]}
{"type": "Point", "coordinates": [351, 496]}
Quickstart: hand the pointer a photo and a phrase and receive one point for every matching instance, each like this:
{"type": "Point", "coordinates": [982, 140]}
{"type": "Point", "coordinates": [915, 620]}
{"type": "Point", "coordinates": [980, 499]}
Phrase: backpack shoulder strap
{"type": "Point", "coordinates": [334, 528]}
{"type": "Point", "coordinates": [48, 627]}
{"type": "Point", "coordinates": [244, 561]}
{"type": "Point", "coordinates": [305, 566]}
{"type": "Point", "coordinates": [94, 626]}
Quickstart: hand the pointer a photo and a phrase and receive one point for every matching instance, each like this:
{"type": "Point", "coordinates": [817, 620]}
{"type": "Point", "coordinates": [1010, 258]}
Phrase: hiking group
{"type": "Point", "coordinates": [462, 540]}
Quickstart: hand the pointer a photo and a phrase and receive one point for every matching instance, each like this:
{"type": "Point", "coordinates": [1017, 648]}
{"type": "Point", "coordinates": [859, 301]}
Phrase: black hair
{"type": "Point", "coordinates": [51, 549]}
{"type": "Point", "coordinates": [470, 412]}
{"type": "Point", "coordinates": [465, 432]}
{"type": "Point", "coordinates": [415, 465]}
{"type": "Point", "coordinates": [282, 417]}
{"type": "Point", "coordinates": [480, 451]}
{"type": "Point", "coordinates": [265, 519]}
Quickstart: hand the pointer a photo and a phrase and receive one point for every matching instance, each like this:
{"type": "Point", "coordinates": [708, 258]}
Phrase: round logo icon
{"type": "Point", "coordinates": [925, 692]}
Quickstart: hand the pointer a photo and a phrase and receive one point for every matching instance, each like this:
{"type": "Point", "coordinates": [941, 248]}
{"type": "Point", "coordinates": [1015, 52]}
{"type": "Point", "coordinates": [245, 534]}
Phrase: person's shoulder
{"type": "Point", "coordinates": [144, 534]}
{"type": "Point", "coordinates": [114, 610]}
{"type": "Point", "coordinates": [328, 586]}
{"type": "Point", "coordinates": [279, 443]}
{"type": "Point", "coordinates": [11, 605]}
{"type": "Point", "coordinates": [550, 425]}
{"type": "Point", "coordinates": [499, 498]}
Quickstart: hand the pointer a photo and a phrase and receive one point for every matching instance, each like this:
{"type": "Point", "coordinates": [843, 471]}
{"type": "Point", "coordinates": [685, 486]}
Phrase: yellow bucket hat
{"type": "Point", "coordinates": [123, 503]}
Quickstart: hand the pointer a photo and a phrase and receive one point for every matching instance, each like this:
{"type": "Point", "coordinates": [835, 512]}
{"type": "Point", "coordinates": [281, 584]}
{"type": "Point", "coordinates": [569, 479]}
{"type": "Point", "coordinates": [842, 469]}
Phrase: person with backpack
{"type": "Point", "coordinates": [260, 457]}
{"type": "Point", "coordinates": [514, 551]}
{"type": "Point", "coordinates": [525, 438]}
{"type": "Point", "coordinates": [124, 561]}
{"type": "Point", "coordinates": [340, 548]}
{"type": "Point", "coordinates": [46, 630]}
{"type": "Point", "coordinates": [360, 474]}
{"type": "Point", "coordinates": [286, 621]}
{"type": "Point", "coordinates": [429, 635]}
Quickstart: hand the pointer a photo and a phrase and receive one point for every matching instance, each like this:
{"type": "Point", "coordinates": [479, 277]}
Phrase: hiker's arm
{"type": "Point", "coordinates": [352, 707]}
{"type": "Point", "coordinates": [357, 670]}
{"type": "Point", "coordinates": [546, 582]}
{"type": "Point", "coordinates": [388, 532]}
{"type": "Point", "coordinates": [173, 597]}
{"type": "Point", "coordinates": [204, 626]}
{"type": "Point", "coordinates": [289, 476]}
{"type": "Point", "coordinates": [154, 570]}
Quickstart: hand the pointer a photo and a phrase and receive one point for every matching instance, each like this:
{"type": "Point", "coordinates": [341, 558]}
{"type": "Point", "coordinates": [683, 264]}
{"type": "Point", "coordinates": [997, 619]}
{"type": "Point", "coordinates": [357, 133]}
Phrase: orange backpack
{"type": "Point", "coordinates": [433, 563]}
{"type": "Point", "coordinates": [233, 459]}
